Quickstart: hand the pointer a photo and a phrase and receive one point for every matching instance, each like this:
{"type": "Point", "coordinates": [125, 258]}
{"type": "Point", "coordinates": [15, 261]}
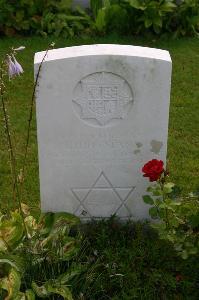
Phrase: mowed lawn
{"type": "Point", "coordinates": [183, 142]}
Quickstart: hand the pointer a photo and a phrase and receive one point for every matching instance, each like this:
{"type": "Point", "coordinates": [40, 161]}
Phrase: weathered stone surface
{"type": "Point", "coordinates": [102, 112]}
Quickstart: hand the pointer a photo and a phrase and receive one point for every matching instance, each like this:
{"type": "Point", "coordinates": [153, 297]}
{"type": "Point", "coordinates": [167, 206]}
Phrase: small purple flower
{"type": "Point", "coordinates": [14, 68]}
{"type": "Point", "coordinates": [18, 67]}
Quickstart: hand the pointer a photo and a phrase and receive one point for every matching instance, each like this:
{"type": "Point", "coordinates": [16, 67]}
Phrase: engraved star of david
{"type": "Point", "coordinates": [91, 199]}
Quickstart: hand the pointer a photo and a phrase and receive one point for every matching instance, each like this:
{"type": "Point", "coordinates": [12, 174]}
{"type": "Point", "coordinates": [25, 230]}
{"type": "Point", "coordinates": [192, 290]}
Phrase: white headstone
{"type": "Point", "coordinates": [102, 113]}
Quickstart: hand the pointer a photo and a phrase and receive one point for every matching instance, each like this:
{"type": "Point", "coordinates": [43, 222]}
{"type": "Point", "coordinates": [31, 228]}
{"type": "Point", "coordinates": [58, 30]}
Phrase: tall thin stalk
{"type": "Point", "coordinates": [31, 113]}
{"type": "Point", "coordinates": [8, 133]}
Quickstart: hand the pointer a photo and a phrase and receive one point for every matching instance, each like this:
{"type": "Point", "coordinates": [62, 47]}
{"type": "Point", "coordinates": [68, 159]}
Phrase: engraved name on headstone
{"type": "Point", "coordinates": [102, 112]}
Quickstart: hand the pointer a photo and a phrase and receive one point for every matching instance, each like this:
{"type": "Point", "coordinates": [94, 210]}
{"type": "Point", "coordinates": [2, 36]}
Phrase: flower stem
{"type": "Point", "coordinates": [16, 193]}
{"type": "Point", "coordinates": [31, 114]}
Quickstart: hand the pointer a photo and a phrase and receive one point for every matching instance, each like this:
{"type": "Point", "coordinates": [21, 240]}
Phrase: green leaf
{"type": "Point", "coordinates": [168, 187]}
{"type": "Point", "coordinates": [100, 22]}
{"type": "Point", "coordinates": [66, 277]}
{"type": "Point", "coordinates": [40, 291]}
{"type": "Point", "coordinates": [147, 22]}
{"type": "Point", "coordinates": [153, 211]}
{"type": "Point", "coordinates": [20, 296]}
{"type": "Point", "coordinates": [46, 222]}
{"type": "Point", "coordinates": [50, 288]}
{"type": "Point", "coordinates": [60, 290]}
{"type": "Point", "coordinates": [30, 295]}
{"type": "Point", "coordinates": [168, 6]}
{"type": "Point", "coordinates": [194, 220]}
{"type": "Point", "coordinates": [11, 284]}
{"type": "Point", "coordinates": [15, 261]}
{"type": "Point", "coordinates": [157, 192]}
{"type": "Point", "coordinates": [148, 200]}
{"type": "Point", "coordinates": [157, 21]}
{"type": "Point", "coordinates": [11, 231]}
{"type": "Point", "coordinates": [136, 4]}
{"type": "Point", "coordinates": [65, 219]}
{"type": "Point", "coordinates": [184, 254]}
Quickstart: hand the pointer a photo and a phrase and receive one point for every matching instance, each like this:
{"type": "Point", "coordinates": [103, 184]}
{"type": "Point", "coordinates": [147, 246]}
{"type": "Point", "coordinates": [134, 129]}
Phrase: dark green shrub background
{"type": "Point", "coordinates": [58, 17]}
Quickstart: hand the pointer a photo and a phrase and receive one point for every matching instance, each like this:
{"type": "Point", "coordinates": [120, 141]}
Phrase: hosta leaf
{"type": "Point", "coordinates": [60, 290]}
{"type": "Point", "coordinates": [46, 222]}
{"type": "Point", "coordinates": [50, 288]}
{"type": "Point", "coordinates": [65, 219]}
{"type": "Point", "coordinates": [69, 248]}
{"type": "Point", "coordinates": [30, 295]}
{"type": "Point", "coordinates": [40, 291]}
{"type": "Point", "coordinates": [12, 230]}
{"type": "Point", "coordinates": [11, 284]}
{"type": "Point", "coordinates": [20, 296]}
{"type": "Point", "coordinates": [31, 226]}
{"type": "Point", "coordinates": [13, 260]}
{"type": "Point", "coordinates": [66, 277]}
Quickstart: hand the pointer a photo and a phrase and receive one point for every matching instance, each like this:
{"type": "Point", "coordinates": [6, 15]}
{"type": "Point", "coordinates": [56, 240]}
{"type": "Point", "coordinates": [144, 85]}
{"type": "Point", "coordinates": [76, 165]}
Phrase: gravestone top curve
{"type": "Point", "coordinates": [103, 49]}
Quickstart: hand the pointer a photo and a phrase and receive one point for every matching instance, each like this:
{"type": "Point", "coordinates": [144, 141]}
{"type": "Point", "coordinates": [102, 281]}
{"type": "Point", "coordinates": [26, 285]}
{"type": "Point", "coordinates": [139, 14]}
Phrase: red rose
{"type": "Point", "coordinates": [153, 169]}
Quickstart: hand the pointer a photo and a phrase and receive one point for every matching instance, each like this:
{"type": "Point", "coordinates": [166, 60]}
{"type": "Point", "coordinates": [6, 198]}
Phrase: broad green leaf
{"type": "Point", "coordinates": [40, 291]}
{"type": "Point", "coordinates": [157, 21]}
{"type": "Point", "coordinates": [60, 290]}
{"type": "Point", "coordinates": [193, 250]}
{"type": "Point", "coordinates": [14, 261]}
{"type": "Point", "coordinates": [31, 226]}
{"type": "Point", "coordinates": [45, 223]}
{"type": "Point", "coordinates": [194, 220]}
{"type": "Point", "coordinates": [153, 211]}
{"type": "Point", "coordinates": [184, 254]}
{"type": "Point", "coordinates": [157, 192]}
{"type": "Point", "coordinates": [100, 22]}
{"type": "Point", "coordinates": [20, 296]}
{"type": "Point", "coordinates": [30, 295]}
{"type": "Point", "coordinates": [11, 231]}
{"type": "Point", "coordinates": [148, 200]}
{"type": "Point", "coordinates": [62, 219]}
{"type": "Point", "coordinates": [11, 284]}
{"type": "Point", "coordinates": [66, 277]}
{"type": "Point", "coordinates": [137, 4]}
{"type": "Point", "coordinates": [147, 22]}
{"type": "Point", "coordinates": [168, 6]}
{"type": "Point", "coordinates": [168, 187]}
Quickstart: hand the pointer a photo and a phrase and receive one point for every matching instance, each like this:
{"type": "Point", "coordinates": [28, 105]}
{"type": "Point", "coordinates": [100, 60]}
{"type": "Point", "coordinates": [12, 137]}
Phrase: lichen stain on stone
{"type": "Point", "coordinates": [139, 145]}
{"type": "Point", "coordinates": [136, 151]}
{"type": "Point", "coordinates": [156, 146]}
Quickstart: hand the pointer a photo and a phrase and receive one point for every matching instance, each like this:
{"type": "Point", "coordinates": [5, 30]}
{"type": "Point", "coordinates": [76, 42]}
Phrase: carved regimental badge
{"type": "Point", "coordinates": [102, 97]}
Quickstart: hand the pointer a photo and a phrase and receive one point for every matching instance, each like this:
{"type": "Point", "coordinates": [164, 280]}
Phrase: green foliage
{"type": "Point", "coordinates": [179, 218]}
{"type": "Point", "coordinates": [185, 19]}
{"type": "Point", "coordinates": [123, 16]}
{"type": "Point", "coordinates": [36, 256]}
{"type": "Point", "coordinates": [151, 14]}
{"type": "Point", "coordinates": [140, 16]}
{"type": "Point", "coordinates": [42, 17]}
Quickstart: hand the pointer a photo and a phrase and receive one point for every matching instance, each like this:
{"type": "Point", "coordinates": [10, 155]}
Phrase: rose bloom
{"type": "Point", "coordinates": [153, 169]}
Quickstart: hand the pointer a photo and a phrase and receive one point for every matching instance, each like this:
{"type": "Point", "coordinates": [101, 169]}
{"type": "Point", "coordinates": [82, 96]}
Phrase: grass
{"type": "Point", "coordinates": [126, 261]}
